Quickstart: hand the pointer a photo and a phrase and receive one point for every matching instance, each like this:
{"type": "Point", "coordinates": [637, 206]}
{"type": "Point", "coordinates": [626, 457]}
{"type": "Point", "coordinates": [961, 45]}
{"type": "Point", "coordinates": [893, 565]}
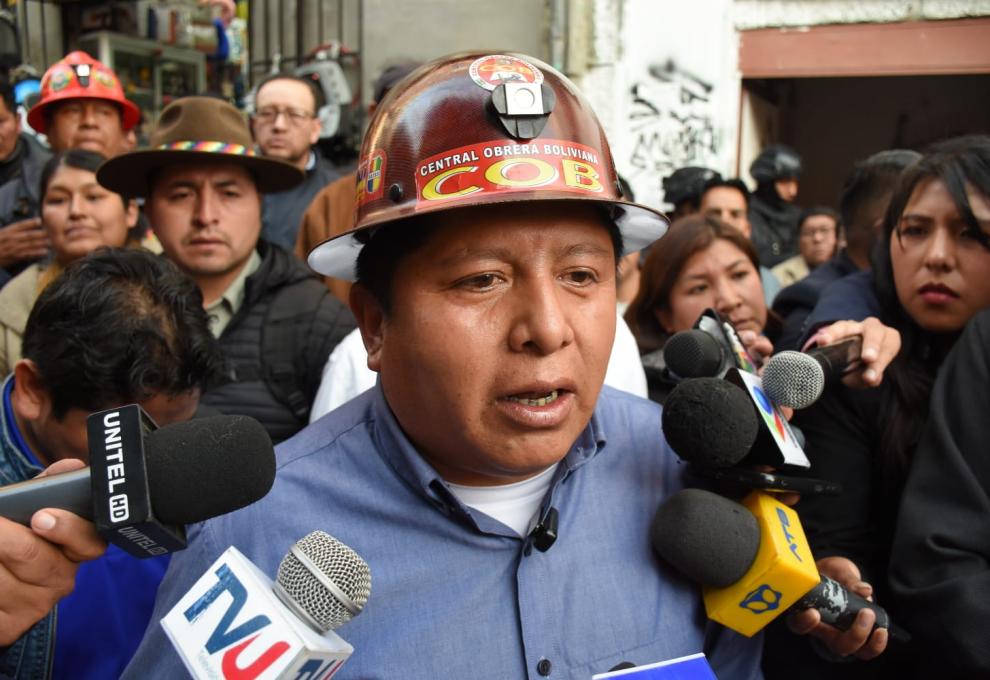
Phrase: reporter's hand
{"type": "Point", "coordinates": [860, 640]}
{"type": "Point", "coordinates": [20, 241]}
{"type": "Point", "coordinates": [880, 345]}
{"type": "Point", "coordinates": [38, 564]}
{"type": "Point", "coordinates": [758, 346]}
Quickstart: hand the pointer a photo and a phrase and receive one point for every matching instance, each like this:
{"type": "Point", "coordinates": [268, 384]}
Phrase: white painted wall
{"type": "Point", "coordinates": [670, 95]}
{"type": "Point", "coordinates": [796, 13]}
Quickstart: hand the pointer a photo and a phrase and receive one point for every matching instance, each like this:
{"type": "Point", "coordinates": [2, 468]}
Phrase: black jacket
{"type": "Point", "coordinates": [19, 196]}
{"type": "Point", "coordinates": [775, 226]}
{"type": "Point", "coordinates": [940, 564]}
{"type": "Point", "coordinates": [794, 303]}
{"type": "Point", "coordinates": [315, 322]}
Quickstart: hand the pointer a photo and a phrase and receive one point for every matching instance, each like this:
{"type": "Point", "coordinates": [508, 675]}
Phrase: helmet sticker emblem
{"type": "Point", "coordinates": [371, 175]}
{"type": "Point", "coordinates": [104, 77]}
{"type": "Point", "coordinates": [61, 78]}
{"type": "Point", "coordinates": [499, 167]}
{"type": "Point", "coordinates": [491, 71]}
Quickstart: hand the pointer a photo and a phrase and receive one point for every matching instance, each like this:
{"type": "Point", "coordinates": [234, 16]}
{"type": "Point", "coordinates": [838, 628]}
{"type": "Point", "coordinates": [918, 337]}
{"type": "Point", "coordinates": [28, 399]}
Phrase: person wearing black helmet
{"type": "Point", "coordinates": [772, 211]}
{"type": "Point", "coordinates": [683, 187]}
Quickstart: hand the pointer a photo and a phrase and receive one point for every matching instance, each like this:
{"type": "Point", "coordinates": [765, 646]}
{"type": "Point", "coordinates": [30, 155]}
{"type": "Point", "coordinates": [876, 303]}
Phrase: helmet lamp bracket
{"type": "Point", "coordinates": [523, 108]}
{"type": "Point", "coordinates": [82, 73]}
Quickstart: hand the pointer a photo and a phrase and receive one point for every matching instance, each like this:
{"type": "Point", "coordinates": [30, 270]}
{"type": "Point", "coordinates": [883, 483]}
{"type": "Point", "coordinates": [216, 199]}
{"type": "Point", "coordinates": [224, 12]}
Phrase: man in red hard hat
{"type": "Point", "coordinates": [82, 106]}
{"type": "Point", "coordinates": [502, 497]}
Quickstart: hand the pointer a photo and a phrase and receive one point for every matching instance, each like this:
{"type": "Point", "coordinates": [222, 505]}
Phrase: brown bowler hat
{"type": "Point", "coordinates": [196, 130]}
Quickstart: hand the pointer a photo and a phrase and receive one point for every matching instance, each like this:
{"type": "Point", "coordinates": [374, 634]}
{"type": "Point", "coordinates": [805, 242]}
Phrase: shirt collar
{"type": "Point", "coordinates": [403, 457]}
{"type": "Point", "coordinates": [311, 162]}
{"type": "Point", "coordinates": [12, 431]}
{"type": "Point", "coordinates": [233, 297]}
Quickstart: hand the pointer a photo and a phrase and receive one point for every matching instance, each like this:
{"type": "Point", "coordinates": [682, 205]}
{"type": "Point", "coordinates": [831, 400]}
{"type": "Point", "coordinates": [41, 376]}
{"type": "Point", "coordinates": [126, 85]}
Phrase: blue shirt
{"type": "Point", "coordinates": [457, 594]}
{"type": "Point", "coordinates": [99, 625]}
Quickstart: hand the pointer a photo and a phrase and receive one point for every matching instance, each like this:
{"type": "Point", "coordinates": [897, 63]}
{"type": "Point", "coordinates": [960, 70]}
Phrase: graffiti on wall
{"type": "Point", "coordinates": [672, 123]}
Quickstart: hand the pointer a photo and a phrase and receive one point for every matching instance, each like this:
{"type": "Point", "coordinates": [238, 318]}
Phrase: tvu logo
{"type": "Point", "coordinates": [241, 637]}
{"type": "Point", "coordinates": [785, 525]}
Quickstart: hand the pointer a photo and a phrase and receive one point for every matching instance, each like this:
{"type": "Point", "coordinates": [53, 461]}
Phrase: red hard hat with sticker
{"type": "Point", "coordinates": [476, 129]}
{"type": "Point", "coordinates": [80, 76]}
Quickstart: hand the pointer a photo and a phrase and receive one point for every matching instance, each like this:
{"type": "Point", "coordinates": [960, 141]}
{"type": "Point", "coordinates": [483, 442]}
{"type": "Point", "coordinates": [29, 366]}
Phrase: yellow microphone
{"type": "Point", "coordinates": [753, 561]}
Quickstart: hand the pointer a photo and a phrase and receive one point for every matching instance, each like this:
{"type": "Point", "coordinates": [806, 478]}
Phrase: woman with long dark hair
{"type": "Point", "coordinates": [930, 277]}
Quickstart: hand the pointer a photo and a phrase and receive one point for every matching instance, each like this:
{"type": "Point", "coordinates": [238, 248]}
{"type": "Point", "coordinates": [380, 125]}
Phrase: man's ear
{"type": "Point", "coordinates": [29, 398]}
{"type": "Point", "coordinates": [314, 133]}
{"type": "Point", "coordinates": [371, 320]}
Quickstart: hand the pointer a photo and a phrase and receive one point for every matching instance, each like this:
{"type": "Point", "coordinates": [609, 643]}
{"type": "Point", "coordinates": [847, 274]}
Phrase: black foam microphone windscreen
{"type": "Point", "coordinates": [207, 467]}
{"type": "Point", "coordinates": [693, 354]}
{"type": "Point", "coordinates": [710, 422]}
{"type": "Point", "coordinates": [711, 538]}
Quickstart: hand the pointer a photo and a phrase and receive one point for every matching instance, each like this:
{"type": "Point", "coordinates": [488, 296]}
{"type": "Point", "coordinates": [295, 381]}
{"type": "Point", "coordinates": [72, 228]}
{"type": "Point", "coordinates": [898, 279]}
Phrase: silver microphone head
{"type": "Point", "coordinates": [793, 379]}
{"type": "Point", "coordinates": [323, 581]}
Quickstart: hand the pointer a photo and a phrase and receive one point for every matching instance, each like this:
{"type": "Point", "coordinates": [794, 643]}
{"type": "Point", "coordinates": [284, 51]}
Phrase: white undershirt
{"type": "Point", "coordinates": [514, 505]}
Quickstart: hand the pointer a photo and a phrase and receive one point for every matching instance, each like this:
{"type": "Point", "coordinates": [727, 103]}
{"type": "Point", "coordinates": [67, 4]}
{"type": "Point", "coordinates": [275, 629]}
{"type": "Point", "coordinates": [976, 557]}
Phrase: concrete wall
{"type": "Point", "coordinates": [426, 29]}
{"type": "Point", "coordinates": [751, 14]}
{"type": "Point", "coordinates": [40, 26]}
{"type": "Point", "coordinates": [392, 31]}
{"type": "Point", "coordinates": [668, 90]}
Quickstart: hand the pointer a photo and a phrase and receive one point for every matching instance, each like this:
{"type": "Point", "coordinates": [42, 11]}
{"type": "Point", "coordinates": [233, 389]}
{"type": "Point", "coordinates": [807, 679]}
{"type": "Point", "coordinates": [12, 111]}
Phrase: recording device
{"type": "Point", "coordinates": [143, 484]}
{"type": "Point", "coordinates": [797, 379]}
{"type": "Point", "coordinates": [711, 424]}
{"type": "Point", "coordinates": [709, 349]}
{"type": "Point", "coordinates": [283, 629]}
{"type": "Point", "coordinates": [753, 561]}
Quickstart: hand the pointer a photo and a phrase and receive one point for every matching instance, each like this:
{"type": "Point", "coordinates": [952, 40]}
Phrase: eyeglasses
{"type": "Point", "coordinates": [270, 114]}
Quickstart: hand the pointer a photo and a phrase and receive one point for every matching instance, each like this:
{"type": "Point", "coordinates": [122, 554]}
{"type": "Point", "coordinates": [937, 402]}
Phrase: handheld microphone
{"type": "Point", "coordinates": [143, 484]}
{"type": "Point", "coordinates": [725, 333]}
{"type": "Point", "coordinates": [797, 379]}
{"type": "Point", "coordinates": [708, 350]}
{"type": "Point", "coordinates": [285, 629]}
{"type": "Point", "coordinates": [695, 354]}
{"type": "Point", "coordinates": [753, 561]}
{"type": "Point", "coordinates": [710, 423]}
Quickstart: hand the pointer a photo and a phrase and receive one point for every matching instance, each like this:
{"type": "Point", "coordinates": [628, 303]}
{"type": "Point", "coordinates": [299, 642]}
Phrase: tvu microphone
{"type": "Point", "coordinates": [797, 379]}
{"type": "Point", "coordinates": [143, 484]}
{"type": "Point", "coordinates": [753, 561]}
{"type": "Point", "coordinates": [234, 622]}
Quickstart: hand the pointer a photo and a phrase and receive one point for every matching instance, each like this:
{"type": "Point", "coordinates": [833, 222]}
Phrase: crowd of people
{"type": "Point", "coordinates": [462, 363]}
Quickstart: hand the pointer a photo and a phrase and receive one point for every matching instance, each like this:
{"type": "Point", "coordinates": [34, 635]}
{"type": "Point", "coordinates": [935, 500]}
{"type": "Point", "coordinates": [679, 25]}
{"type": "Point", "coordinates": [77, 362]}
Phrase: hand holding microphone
{"type": "Point", "coordinates": [144, 484]}
{"type": "Point", "coordinates": [179, 474]}
{"type": "Point", "coordinates": [855, 352]}
{"type": "Point", "coordinates": [754, 563]}
{"type": "Point", "coordinates": [38, 564]}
